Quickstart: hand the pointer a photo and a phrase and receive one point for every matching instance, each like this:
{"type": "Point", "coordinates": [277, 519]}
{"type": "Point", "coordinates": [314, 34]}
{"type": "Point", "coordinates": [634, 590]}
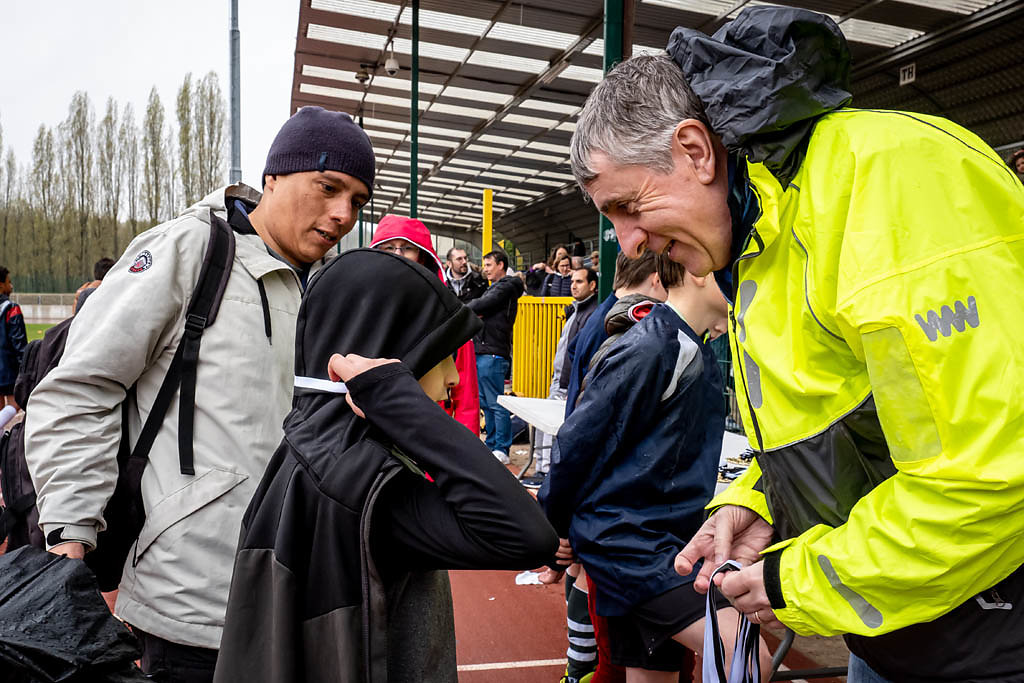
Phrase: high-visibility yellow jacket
{"type": "Point", "coordinates": [878, 341]}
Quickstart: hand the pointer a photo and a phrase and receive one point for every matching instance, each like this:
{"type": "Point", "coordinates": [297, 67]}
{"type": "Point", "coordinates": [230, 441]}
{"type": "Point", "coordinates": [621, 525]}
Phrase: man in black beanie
{"type": "Point", "coordinates": [174, 587]}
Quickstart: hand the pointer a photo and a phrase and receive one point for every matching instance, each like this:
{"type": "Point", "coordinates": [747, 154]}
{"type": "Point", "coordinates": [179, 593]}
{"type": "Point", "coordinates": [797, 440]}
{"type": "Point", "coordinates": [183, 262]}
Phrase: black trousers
{"type": "Point", "coordinates": [167, 662]}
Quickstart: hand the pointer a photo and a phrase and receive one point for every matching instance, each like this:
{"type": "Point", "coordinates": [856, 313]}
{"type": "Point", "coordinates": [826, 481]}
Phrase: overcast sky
{"type": "Point", "coordinates": [122, 48]}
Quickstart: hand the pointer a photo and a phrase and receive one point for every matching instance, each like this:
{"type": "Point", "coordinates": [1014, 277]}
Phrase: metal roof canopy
{"type": "Point", "coordinates": [501, 83]}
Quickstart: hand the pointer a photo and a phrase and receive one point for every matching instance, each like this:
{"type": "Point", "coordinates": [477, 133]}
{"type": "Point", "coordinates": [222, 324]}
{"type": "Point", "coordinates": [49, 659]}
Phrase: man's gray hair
{"type": "Point", "coordinates": [631, 115]}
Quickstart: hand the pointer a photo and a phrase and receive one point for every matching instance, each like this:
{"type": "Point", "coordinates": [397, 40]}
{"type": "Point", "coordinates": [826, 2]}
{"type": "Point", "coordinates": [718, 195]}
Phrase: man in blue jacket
{"type": "Point", "coordinates": [635, 464]}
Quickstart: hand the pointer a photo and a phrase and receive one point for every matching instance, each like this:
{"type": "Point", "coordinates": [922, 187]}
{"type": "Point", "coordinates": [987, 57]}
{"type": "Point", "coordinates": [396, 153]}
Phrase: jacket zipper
{"type": "Point", "coordinates": [738, 360]}
{"type": "Point", "coordinates": [364, 549]}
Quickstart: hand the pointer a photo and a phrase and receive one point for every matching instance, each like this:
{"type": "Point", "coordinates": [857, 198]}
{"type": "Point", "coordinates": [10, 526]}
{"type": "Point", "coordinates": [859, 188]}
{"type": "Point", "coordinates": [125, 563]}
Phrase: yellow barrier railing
{"type": "Point", "coordinates": [539, 321]}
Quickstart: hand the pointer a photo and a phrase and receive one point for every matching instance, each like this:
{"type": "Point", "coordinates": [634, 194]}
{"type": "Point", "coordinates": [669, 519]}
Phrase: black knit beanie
{"type": "Point", "coordinates": [315, 139]}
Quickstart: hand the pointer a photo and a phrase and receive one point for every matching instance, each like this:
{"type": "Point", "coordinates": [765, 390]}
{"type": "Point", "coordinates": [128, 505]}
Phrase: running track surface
{"type": "Point", "coordinates": [506, 633]}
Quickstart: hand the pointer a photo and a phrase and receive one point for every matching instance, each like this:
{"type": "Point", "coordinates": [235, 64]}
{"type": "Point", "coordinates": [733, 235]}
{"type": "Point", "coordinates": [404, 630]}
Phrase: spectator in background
{"type": "Point", "coordinates": [13, 340]}
{"type": "Point", "coordinates": [557, 253]}
{"type": "Point", "coordinates": [577, 262]}
{"type": "Point", "coordinates": [559, 283]}
{"type": "Point", "coordinates": [464, 282]}
{"type": "Point", "coordinates": [1017, 164]}
{"type": "Point", "coordinates": [98, 272]}
{"type": "Point", "coordinates": [595, 260]}
{"type": "Point", "coordinates": [410, 238]}
{"type": "Point", "coordinates": [535, 278]}
{"type": "Point", "coordinates": [584, 293]}
{"type": "Point", "coordinates": [493, 345]}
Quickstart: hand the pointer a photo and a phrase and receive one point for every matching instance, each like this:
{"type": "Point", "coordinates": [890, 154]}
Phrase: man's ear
{"type": "Point", "coordinates": [269, 182]}
{"type": "Point", "coordinates": [693, 147]}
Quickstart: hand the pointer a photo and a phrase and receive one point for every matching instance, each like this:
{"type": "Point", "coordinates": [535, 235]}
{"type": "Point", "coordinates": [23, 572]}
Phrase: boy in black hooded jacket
{"type": "Point", "coordinates": [336, 577]}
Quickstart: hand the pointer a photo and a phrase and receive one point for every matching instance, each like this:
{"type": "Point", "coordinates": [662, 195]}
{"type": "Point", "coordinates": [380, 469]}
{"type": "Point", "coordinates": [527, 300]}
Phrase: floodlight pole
{"type": "Point", "coordinates": [414, 111]}
{"type": "Point", "coordinates": [235, 175]}
{"type": "Point", "coordinates": [614, 44]}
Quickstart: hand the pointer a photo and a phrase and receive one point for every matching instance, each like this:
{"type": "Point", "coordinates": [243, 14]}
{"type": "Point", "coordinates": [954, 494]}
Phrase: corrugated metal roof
{"type": "Point", "coordinates": [501, 84]}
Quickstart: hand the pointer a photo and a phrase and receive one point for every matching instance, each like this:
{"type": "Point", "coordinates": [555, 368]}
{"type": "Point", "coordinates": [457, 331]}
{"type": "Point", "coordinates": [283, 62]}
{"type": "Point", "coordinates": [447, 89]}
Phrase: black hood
{"type": "Point", "coordinates": [378, 305]}
{"type": "Point", "coordinates": [764, 78]}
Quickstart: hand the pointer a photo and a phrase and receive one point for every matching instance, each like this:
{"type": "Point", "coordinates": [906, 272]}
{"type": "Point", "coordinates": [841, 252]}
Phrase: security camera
{"type": "Point", "coordinates": [391, 65]}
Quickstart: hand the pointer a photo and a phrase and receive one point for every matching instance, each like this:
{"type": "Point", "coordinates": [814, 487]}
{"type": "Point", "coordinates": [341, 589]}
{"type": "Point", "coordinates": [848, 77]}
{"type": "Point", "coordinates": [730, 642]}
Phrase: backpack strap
{"type": "Point", "coordinates": [201, 313]}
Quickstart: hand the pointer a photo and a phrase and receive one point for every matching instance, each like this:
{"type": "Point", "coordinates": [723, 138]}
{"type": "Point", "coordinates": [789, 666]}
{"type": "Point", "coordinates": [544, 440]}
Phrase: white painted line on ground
{"type": "Point", "coordinates": [513, 665]}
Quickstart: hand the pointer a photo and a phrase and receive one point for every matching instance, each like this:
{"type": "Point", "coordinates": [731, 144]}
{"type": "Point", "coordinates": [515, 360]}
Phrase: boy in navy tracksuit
{"type": "Point", "coordinates": [635, 464]}
{"type": "Point", "coordinates": [13, 340]}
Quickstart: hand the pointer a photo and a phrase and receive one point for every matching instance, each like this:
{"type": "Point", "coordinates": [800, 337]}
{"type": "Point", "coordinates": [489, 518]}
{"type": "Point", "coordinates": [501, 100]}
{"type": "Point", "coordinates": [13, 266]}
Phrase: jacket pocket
{"type": "Point", "coordinates": [197, 494]}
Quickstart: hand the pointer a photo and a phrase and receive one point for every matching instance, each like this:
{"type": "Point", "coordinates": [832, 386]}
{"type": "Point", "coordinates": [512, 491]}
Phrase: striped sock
{"type": "Point", "coordinates": [582, 652]}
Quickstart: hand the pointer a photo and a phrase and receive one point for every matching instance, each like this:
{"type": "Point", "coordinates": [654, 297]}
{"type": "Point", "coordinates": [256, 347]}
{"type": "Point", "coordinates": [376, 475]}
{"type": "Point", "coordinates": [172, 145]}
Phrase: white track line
{"type": "Point", "coordinates": [512, 665]}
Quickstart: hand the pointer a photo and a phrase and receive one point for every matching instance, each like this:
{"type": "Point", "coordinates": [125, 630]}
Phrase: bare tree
{"type": "Point", "coordinates": [128, 144]}
{"type": "Point", "coordinates": [186, 148]}
{"type": "Point", "coordinates": [154, 158]}
{"type": "Point", "coordinates": [210, 119]}
{"type": "Point", "coordinates": [9, 183]}
{"type": "Point", "coordinates": [77, 134]}
{"type": "Point", "coordinates": [46, 199]}
{"type": "Point", "coordinates": [110, 168]}
{"type": "Point", "coordinates": [171, 191]}
{"type": "Point", "coordinates": [3, 234]}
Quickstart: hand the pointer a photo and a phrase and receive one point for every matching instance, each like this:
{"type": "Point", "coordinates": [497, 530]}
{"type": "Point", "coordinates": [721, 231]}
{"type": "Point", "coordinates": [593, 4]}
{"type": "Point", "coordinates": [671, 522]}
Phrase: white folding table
{"type": "Point", "coordinates": [544, 414]}
{"type": "Point", "coordinates": [547, 415]}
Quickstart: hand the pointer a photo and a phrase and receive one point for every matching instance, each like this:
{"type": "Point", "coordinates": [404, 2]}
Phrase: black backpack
{"type": "Point", "coordinates": [124, 514]}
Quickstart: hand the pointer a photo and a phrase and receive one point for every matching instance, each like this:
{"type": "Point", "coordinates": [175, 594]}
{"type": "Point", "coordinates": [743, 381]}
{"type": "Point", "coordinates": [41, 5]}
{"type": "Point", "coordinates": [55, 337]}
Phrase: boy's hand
{"type": "Point", "coordinates": [564, 553]}
{"type": "Point", "coordinates": [549, 576]}
{"type": "Point", "coordinates": [343, 368]}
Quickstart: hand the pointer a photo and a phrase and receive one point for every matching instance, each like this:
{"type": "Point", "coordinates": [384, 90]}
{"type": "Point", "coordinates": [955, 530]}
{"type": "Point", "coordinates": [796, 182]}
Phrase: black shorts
{"type": "Point", "coordinates": [642, 639]}
{"type": "Point", "coordinates": [6, 390]}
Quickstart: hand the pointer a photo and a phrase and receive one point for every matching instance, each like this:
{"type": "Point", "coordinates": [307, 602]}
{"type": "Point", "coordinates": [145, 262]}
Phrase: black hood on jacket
{"type": "Point", "coordinates": [764, 78]}
{"type": "Point", "coordinates": [378, 305]}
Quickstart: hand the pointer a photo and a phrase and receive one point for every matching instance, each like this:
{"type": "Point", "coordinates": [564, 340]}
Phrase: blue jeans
{"type": "Point", "coordinates": [860, 672]}
{"type": "Point", "coordinates": [490, 375]}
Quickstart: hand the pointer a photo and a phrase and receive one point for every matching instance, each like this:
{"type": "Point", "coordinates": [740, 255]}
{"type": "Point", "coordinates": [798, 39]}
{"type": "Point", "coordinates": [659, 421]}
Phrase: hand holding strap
{"type": "Point", "coordinates": [745, 667]}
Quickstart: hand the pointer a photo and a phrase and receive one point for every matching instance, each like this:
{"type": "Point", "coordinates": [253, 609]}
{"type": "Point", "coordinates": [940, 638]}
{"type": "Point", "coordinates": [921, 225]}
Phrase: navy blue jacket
{"type": "Point", "coordinates": [583, 347]}
{"type": "Point", "coordinates": [557, 285]}
{"type": "Point", "coordinates": [13, 341]}
{"type": "Point", "coordinates": [637, 461]}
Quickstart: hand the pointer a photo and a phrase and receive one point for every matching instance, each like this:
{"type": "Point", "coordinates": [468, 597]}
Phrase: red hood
{"type": "Point", "coordinates": [409, 229]}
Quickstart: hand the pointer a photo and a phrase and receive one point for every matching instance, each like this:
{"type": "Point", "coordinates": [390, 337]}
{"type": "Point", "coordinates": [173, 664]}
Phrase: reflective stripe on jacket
{"type": "Point", "coordinates": [877, 344]}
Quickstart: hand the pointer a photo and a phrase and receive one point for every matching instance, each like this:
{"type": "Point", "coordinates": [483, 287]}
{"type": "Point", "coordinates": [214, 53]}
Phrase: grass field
{"type": "Point", "coordinates": [36, 330]}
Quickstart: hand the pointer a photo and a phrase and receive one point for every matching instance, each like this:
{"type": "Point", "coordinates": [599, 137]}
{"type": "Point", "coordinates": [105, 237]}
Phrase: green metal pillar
{"type": "Point", "coordinates": [414, 114]}
{"type": "Point", "coordinates": [614, 12]}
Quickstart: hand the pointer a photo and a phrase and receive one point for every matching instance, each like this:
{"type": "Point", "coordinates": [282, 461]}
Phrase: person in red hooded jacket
{"type": "Point", "coordinates": [410, 238]}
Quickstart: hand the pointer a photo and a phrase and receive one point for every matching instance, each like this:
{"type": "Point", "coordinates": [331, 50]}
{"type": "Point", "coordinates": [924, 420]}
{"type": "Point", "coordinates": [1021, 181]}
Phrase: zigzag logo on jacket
{"type": "Point", "coordinates": [959, 317]}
